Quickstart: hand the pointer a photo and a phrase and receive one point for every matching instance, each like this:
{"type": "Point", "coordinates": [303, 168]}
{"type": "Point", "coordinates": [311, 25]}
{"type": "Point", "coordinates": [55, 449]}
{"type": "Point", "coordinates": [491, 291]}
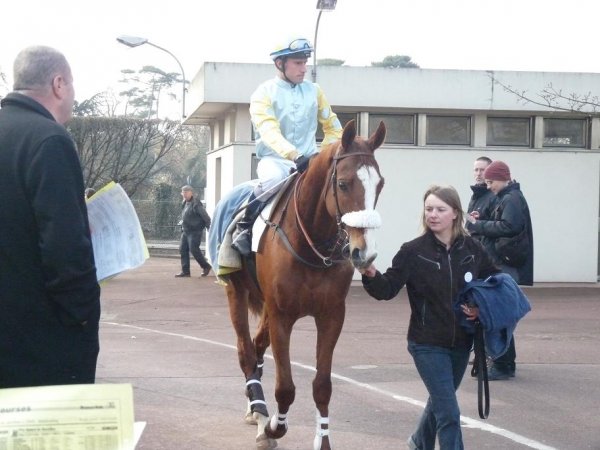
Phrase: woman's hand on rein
{"type": "Point", "coordinates": [369, 271]}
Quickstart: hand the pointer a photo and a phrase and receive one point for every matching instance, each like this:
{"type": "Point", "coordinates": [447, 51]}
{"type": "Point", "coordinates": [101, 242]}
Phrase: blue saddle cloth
{"type": "Point", "coordinates": [223, 216]}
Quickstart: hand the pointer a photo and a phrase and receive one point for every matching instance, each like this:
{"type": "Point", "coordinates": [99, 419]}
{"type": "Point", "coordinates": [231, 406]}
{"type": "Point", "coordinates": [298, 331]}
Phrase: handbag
{"type": "Point", "coordinates": [513, 250]}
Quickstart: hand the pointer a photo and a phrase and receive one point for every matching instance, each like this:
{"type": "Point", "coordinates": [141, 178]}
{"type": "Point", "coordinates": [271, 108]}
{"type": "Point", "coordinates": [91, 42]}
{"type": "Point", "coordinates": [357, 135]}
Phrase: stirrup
{"type": "Point", "coordinates": [243, 243]}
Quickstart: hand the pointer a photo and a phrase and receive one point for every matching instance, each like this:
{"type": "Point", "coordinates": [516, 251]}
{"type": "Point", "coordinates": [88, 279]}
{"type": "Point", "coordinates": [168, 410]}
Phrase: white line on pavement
{"type": "Point", "coordinates": [469, 422]}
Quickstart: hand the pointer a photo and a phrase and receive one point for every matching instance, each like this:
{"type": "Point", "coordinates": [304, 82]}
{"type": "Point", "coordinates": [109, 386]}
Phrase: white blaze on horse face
{"type": "Point", "coordinates": [368, 217]}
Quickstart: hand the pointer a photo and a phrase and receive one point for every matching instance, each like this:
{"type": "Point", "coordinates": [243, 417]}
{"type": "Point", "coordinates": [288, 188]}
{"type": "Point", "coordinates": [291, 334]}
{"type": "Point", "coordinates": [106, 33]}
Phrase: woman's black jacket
{"type": "Point", "coordinates": [433, 277]}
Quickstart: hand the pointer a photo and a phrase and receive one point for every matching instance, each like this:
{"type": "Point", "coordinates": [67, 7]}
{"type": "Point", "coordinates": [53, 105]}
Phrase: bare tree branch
{"type": "Point", "coordinates": [587, 104]}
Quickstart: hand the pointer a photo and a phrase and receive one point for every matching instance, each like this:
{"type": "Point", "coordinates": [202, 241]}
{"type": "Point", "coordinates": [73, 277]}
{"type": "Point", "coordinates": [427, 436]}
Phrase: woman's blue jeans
{"type": "Point", "coordinates": [442, 370]}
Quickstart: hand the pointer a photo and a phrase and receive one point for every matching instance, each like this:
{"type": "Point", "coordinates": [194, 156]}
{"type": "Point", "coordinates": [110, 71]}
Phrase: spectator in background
{"type": "Point", "coordinates": [194, 219]}
{"type": "Point", "coordinates": [482, 200]}
{"type": "Point", "coordinates": [510, 218]}
{"type": "Point", "coordinates": [49, 295]}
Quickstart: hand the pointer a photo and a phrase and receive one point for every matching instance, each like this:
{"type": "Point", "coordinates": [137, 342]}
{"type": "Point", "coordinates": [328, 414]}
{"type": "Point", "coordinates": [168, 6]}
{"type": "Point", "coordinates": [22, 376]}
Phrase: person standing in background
{"type": "Point", "coordinates": [49, 294]}
{"type": "Point", "coordinates": [510, 218]}
{"type": "Point", "coordinates": [194, 219]}
{"type": "Point", "coordinates": [482, 200]}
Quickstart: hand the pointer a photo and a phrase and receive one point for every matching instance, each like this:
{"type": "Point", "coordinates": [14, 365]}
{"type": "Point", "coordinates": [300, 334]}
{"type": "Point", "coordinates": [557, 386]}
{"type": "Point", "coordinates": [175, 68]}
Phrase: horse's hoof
{"type": "Point", "coordinates": [250, 419]}
{"type": "Point", "coordinates": [278, 433]}
{"type": "Point", "coordinates": [264, 443]}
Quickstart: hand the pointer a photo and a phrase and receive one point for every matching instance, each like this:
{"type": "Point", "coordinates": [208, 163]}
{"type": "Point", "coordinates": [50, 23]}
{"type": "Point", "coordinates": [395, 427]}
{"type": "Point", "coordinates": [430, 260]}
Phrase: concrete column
{"type": "Point", "coordinates": [595, 133]}
{"type": "Point", "coordinates": [421, 130]}
{"type": "Point", "coordinates": [538, 132]}
{"type": "Point", "coordinates": [479, 130]}
{"type": "Point", "coordinates": [363, 124]}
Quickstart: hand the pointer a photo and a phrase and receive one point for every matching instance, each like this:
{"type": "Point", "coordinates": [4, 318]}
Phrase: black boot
{"type": "Point", "coordinates": [242, 236]}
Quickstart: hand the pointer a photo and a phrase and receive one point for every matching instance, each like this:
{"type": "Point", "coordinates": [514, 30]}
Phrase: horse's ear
{"type": "Point", "coordinates": [349, 134]}
{"type": "Point", "coordinates": [377, 138]}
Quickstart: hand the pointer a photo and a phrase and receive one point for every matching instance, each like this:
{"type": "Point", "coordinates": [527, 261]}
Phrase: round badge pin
{"type": "Point", "coordinates": [468, 277]}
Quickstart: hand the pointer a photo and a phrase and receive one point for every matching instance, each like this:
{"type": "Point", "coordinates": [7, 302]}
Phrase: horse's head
{"type": "Point", "coordinates": [356, 184]}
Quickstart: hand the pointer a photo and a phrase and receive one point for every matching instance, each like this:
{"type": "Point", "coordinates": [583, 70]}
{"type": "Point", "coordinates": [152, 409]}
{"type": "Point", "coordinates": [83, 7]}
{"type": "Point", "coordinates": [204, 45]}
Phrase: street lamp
{"type": "Point", "coordinates": [322, 5]}
{"type": "Point", "coordinates": [135, 41]}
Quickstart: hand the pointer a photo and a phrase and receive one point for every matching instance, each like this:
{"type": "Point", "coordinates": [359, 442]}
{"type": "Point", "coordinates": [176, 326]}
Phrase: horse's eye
{"type": "Point", "coordinates": [343, 186]}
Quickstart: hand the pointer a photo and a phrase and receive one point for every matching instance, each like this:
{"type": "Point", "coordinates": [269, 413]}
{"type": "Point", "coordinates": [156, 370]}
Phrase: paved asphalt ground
{"type": "Point", "coordinates": [172, 340]}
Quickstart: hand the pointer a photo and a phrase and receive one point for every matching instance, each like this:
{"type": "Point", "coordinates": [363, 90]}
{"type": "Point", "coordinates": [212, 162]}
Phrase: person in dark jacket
{"type": "Point", "coordinates": [482, 200]}
{"type": "Point", "coordinates": [434, 268]}
{"type": "Point", "coordinates": [49, 294]}
{"type": "Point", "coordinates": [194, 219]}
{"type": "Point", "coordinates": [510, 217]}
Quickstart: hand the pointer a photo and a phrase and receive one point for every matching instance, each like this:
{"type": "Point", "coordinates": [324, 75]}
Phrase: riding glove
{"type": "Point", "coordinates": [301, 163]}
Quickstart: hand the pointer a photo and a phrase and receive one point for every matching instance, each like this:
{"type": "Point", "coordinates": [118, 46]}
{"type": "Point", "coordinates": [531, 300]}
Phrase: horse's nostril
{"type": "Point", "coordinates": [356, 254]}
{"type": "Point", "coordinates": [346, 251]}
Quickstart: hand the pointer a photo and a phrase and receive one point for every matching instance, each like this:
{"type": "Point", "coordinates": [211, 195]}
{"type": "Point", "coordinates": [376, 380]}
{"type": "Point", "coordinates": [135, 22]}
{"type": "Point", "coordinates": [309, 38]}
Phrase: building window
{"type": "Point", "coordinates": [400, 128]}
{"type": "Point", "coordinates": [448, 130]}
{"type": "Point", "coordinates": [509, 131]}
{"type": "Point", "coordinates": [344, 118]}
{"type": "Point", "coordinates": [565, 133]}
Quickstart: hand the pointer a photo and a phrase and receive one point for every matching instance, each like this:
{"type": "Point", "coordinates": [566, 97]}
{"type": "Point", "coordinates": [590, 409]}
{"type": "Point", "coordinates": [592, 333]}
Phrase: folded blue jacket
{"type": "Point", "coordinates": [501, 304]}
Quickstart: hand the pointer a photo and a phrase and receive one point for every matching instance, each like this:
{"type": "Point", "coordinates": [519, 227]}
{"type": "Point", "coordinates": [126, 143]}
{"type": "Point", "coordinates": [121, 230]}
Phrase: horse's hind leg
{"type": "Point", "coordinates": [329, 327]}
{"type": "Point", "coordinates": [238, 296]}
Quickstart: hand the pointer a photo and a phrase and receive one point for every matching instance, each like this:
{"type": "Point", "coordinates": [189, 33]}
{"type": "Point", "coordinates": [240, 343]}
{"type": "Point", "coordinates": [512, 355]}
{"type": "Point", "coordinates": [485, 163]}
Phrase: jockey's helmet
{"type": "Point", "coordinates": [299, 47]}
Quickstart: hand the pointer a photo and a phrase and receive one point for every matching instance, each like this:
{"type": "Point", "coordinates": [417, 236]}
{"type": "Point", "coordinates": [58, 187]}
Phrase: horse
{"type": "Point", "coordinates": [320, 231]}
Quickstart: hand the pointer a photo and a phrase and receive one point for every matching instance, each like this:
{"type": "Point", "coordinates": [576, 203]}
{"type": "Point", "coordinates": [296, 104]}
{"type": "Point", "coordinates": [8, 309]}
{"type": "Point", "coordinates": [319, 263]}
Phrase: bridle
{"type": "Point", "coordinates": [342, 240]}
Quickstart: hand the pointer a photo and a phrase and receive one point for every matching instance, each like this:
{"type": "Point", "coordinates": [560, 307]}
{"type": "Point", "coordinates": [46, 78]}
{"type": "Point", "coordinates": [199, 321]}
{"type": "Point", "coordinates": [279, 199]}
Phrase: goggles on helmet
{"type": "Point", "coordinates": [296, 47]}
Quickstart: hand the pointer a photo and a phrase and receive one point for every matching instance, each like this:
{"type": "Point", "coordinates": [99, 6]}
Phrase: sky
{"type": "Point", "coordinates": [523, 35]}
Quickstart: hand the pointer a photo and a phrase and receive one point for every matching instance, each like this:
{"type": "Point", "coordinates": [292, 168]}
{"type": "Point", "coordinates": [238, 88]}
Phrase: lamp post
{"type": "Point", "coordinates": [322, 5]}
{"type": "Point", "coordinates": [135, 41]}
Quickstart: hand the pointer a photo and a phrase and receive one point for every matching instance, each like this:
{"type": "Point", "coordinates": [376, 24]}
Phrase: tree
{"type": "Point", "coordinates": [330, 62]}
{"type": "Point", "coordinates": [128, 151]}
{"type": "Point", "coordinates": [587, 104]}
{"type": "Point", "coordinates": [396, 62]}
{"type": "Point", "coordinates": [103, 104]}
{"type": "Point", "coordinates": [148, 84]}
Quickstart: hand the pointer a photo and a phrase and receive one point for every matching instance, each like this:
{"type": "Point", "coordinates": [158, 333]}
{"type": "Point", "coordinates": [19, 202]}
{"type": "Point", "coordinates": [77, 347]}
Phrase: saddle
{"type": "Point", "coordinates": [228, 212]}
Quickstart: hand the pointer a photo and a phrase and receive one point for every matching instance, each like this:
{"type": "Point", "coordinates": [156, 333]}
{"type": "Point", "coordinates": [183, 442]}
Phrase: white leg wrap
{"type": "Point", "coordinates": [278, 420]}
{"type": "Point", "coordinates": [321, 432]}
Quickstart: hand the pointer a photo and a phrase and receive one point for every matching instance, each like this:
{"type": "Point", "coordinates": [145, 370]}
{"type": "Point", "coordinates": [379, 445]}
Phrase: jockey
{"type": "Point", "coordinates": [285, 111]}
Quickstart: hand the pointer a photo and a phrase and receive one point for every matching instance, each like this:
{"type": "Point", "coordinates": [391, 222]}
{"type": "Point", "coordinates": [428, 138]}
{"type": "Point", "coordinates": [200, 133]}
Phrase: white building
{"type": "Point", "coordinates": [439, 122]}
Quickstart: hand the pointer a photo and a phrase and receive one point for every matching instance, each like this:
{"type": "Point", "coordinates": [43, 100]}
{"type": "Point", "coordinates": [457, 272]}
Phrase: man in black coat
{"type": "Point", "coordinates": [194, 219]}
{"type": "Point", "coordinates": [510, 218]}
{"type": "Point", "coordinates": [49, 295]}
{"type": "Point", "coordinates": [482, 200]}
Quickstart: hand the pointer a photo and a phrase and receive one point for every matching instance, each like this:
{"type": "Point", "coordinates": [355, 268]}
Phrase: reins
{"type": "Point", "coordinates": [341, 237]}
{"type": "Point", "coordinates": [480, 369]}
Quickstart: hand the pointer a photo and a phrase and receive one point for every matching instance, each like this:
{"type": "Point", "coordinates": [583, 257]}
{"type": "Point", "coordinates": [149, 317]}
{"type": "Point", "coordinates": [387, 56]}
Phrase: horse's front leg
{"type": "Point", "coordinates": [285, 391]}
{"type": "Point", "coordinates": [329, 327]}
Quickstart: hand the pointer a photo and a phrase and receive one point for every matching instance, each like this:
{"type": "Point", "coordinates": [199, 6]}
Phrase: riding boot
{"type": "Point", "coordinates": [242, 236]}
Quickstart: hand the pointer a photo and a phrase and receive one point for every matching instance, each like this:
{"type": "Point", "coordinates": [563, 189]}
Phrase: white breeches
{"type": "Point", "coordinates": [271, 170]}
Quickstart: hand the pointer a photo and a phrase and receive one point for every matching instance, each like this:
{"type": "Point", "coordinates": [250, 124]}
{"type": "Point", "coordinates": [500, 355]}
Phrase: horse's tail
{"type": "Point", "coordinates": [255, 304]}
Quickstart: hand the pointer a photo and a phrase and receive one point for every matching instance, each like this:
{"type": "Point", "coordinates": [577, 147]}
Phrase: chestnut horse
{"type": "Point", "coordinates": [321, 230]}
